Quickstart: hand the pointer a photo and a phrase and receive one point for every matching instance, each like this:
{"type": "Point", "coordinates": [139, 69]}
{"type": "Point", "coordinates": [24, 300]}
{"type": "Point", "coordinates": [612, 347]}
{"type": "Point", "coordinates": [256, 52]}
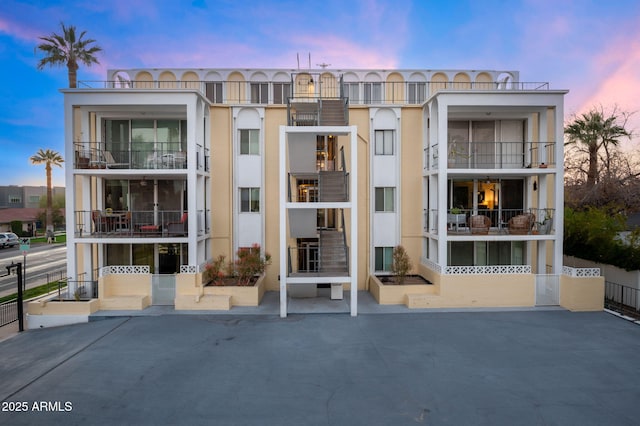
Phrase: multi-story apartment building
{"type": "Point", "coordinates": [12, 196]}
{"type": "Point", "coordinates": [327, 170]}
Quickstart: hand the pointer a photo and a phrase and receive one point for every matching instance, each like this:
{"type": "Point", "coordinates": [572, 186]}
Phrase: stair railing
{"type": "Point", "coordinates": [344, 239]}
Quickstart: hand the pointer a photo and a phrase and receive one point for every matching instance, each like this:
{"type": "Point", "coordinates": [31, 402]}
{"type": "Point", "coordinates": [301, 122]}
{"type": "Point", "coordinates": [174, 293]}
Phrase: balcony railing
{"type": "Point", "coordinates": [276, 93]}
{"type": "Point", "coordinates": [93, 155]}
{"type": "Point", "coordinates": [494, 155]}
{"type": "Point", "coordinates": [136, 223]}
{"type": "Point", "coordinates": [540, 221]}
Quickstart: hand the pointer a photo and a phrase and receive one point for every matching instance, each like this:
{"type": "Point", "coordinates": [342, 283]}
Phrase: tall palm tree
{"type": "Point", "coordinates": [48, 158]}
{"type": "Point", "coordinates": [597, 133]}
{"type": "Point", "coordinates": [69, 50]}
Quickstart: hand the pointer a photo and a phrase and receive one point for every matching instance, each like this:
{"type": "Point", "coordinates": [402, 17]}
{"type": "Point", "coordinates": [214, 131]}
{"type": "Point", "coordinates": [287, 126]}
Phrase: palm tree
{"type": "Point", "coordinates": [68, 50]}
{"type": "Point", "coordinates": [48, 158]}
{"type": "Point", "coordinates": [596, 132]}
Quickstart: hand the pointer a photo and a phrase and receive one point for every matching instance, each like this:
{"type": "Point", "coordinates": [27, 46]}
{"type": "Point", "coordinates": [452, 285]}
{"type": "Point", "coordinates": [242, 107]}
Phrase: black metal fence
{"type": "Point", "coordinates": [8, 312]}
{"type": "Point", "coordinates": [622, 299]}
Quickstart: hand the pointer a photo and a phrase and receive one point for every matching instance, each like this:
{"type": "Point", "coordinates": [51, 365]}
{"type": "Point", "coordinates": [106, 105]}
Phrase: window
{"type": "Point", "coordinates": [352, 91]}
{"type": "Point", "coordinates": [34, 199]}
{"type": "Point", "coordinates": [15, 199]}
{"type": "Point", "coordinates": [249, 143]}
{"type": "Point", "coordinates": [249, 200]}
{"type": "Point", "coordinates": [384, 142]}
{"type": "Point", "coordinates": [214, 91]}
{"type": "Point", "coordinates": [385, 199]}
{"type": "Point", "coordinates": [259, 93]}
{"type": "Point", "coordinates": [281, 91]}
{"type": "Point", "coordinates": [372, 93]}
{"type": "Point", "coordinates": [417, 92]}
{"type": "Point", "coordinates": [384, 258]}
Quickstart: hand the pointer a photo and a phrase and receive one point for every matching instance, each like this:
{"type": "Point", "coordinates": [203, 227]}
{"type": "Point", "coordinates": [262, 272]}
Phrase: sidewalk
{"type": "Point", "coordinates": [539, 367]}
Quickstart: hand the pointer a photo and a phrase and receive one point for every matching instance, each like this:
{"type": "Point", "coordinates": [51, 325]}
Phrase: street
{"type": "Point", "coordinates": [40, 260]}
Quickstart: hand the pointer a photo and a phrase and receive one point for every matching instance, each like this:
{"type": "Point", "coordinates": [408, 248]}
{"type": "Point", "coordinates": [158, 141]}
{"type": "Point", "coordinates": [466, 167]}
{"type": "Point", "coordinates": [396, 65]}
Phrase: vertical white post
{"type": "Point", "coordinates": [353, 199]}
{"type": "Point", "coordinates": [283, 221]}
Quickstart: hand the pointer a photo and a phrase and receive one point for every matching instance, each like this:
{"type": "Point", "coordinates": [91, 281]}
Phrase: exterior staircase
{"type": "Point", "coordinates": [333, 252]}
{"type": "Point", "coordinates": [332, 186]}
{"type": "Point", "coordinates": [332, 112]}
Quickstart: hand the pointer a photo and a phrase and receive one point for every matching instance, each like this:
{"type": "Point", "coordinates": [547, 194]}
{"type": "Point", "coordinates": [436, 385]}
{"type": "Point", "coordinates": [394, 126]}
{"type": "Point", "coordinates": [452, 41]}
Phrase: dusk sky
{"type": "Point", "coordinates": [591, 48]}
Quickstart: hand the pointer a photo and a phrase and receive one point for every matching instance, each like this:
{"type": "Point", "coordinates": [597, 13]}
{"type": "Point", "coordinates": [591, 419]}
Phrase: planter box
{"type": "Point", "coordinates": [55, 313]}
{"type": "Point", "coordinates": [394, 294]}
{"type": "Point", "coordinates": [63, 307]}
{"type": "Point", "coordinates": [219, 297]}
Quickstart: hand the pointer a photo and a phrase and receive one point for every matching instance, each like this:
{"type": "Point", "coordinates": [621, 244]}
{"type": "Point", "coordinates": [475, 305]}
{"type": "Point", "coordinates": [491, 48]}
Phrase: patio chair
{"type": "Point", "coordinates": [480, 224]}
{"type": "Point", "coordinates": [111, 162]}
{"type": "Point", "coordinates": [99, 221]}
{"type": "Point", "coordinates": [178, 228]}
{"type": "Point", "coordinates": [521, 224]}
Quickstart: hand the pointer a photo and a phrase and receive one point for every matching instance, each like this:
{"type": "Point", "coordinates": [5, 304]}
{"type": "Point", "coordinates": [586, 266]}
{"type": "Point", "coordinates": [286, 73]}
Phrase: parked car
{"type": "Point", "coordinates": [9, 239]}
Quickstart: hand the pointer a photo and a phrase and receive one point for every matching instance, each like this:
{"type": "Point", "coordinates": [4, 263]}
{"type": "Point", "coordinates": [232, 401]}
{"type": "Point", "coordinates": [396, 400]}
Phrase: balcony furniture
{"type": "Point", "coordinates": [99, 221]}
{"type": "Point", "coordinates": [521, 224]}
{"type": "Point", "coordinates": [480, 224]}
{"type": "Point", "coordinates": [105, 160]}
{"type": "Point", "coordinates": [455, 220]}
{"type": "Point", "coordinates": [178, 228]}
{"type": "Point", "coordinates": [149, 229]}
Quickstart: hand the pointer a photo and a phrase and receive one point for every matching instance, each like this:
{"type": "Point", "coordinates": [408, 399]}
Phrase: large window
{"type": "Point", "coordinates": [483, 253]}
{"type": "Point", "coordinates": [281, 91]}
{"type": "Point", "coordinates": [384, 258]}
{"type": "Point", "coordinates": [372, 93]}
{"type": "Point", "coordinates": [259, 93]}
{"type": "Point", "coordinates": [417, 92]}
{"type": "Point", "coordinates": [249, 200]}
{"type": "Point", "coordinates": [352, 91]}
{"type": "Point", "coordinates": [384, 142]}
{"type": "Point", "coordinates": [385, 197]}
{"type": "Point", "coordinates": [214, 91]}
{"type": "Point", "coordinates": [249, 142]}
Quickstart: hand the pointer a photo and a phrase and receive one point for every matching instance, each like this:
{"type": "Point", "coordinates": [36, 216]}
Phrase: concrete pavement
{"type": "Point", "coordinates": [537, 367]}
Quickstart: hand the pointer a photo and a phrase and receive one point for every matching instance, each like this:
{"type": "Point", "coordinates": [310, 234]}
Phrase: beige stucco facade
{"type": "Point", "coordinates": [219, 137]}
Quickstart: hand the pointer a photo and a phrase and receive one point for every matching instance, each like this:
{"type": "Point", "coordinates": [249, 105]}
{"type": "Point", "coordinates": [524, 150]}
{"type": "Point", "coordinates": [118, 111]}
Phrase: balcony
{"type": "Point", "coordinates": [494, 155]}
{"type": "Point", "coordinates": [357, 93]}
{"type": "Point", "coordinates": [160, 156]}
{"type": "Point", "coordinates": [137, 223]}
{"type": "Point", "coordinates": [498, 222]}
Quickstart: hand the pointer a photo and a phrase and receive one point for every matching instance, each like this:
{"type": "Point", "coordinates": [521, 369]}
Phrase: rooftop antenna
{"type": "Point", "coordinates": [309, 60]}
{"type": "Point", "coordinates": [323, 65]}
{"type": "Point", "coordinates": [298, 58]}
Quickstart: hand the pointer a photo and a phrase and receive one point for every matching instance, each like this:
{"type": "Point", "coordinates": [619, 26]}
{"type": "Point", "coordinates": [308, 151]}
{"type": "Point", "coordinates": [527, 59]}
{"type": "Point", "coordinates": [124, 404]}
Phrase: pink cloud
{"type": "Point", "coordinates": [18, 30]}
{"type": "Point", "coordinates": [619, 83]}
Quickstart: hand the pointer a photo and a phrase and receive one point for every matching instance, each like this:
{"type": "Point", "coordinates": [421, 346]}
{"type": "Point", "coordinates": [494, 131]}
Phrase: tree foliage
{"type": "Point", "coordinates": [597, 133]}
{"type": "Point", "coordinates": [598, 172]}
{"type": "Point", "coordinates": [68, 50]}
{"type": "Point", "coordinates": [401, 264]}
{"type": "Point", "coordinates": [48, 158]}
{"type": "Point", "coordinates": [593, 234]}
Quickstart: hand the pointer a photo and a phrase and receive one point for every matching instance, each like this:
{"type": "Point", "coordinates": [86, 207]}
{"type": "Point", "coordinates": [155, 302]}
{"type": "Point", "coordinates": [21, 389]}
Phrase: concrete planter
{"type": "Point", "coordinates": [191, 294]}
{"type": "Point", "coordinates": [240, 295]}
{"type": "Point", "coordinates": [53, 313]}
{"type": "Point", "coordinates": [394, 294]}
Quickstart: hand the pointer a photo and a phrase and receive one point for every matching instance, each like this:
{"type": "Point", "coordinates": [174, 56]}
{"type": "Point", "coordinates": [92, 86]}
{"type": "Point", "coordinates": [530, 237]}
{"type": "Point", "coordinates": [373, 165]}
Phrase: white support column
{"type": "Point", "coordinates": [70, 193]}
{"type": "Point", "coordinates": [282, 160]}
{"type": "Point", "coordinates": [192, 184]}
{"type": "Point", "coordinates": [443, 181]}
{"type": "Point", "coordinates": [558, 183]}
{"type": "Point", "coordinates": [353, 199]}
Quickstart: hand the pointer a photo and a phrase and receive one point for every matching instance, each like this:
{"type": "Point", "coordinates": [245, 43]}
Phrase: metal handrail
{"type": "Point", "coordinates": [622, 299]}
{"type": "Point", "coordinates": [239, 92]}
{"type": "Point", "coordinates": [164, 155]}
